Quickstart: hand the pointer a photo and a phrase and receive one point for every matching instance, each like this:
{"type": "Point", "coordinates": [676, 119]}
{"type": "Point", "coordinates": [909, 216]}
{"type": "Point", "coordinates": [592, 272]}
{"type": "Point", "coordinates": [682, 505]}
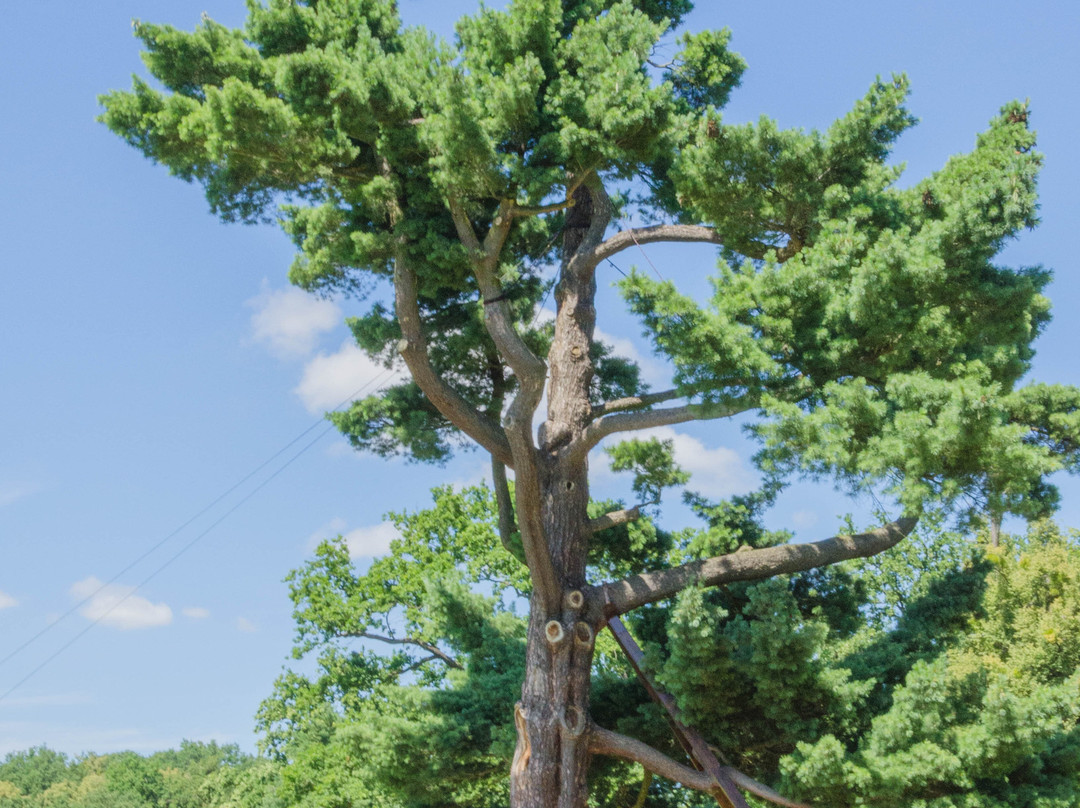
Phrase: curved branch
{"type": "Point", "coordinates": [431, 648]}
{"type": "Point", "coordinates": [649, 235]}
{"type": "Point", "coordinates": [498, 317]}
{"type": "Point", "coordinates": [747, 783]}
{"type": "Point", "coordinates": [447, 400]}
{"type": "Point", "coordinates": [647, 419]}
{"type": "Point", "coordinates": [634, 402]}
{"type": "Point", "coordinates": [616, 518]}
{"type": "Point", "coordinates": [620, 597]}
{"type": "Point", "coordinates": [612, 744]}
{"type": "Point", "coordinates": [605, 742]}
{"type": "Point", "coordinates": [524, 210]}
{"type": "Point", "coordinates": [504, 503]}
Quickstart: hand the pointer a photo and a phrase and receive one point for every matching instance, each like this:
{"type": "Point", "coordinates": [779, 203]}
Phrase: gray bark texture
{"type": "Point", "coordinates": [555, 733]}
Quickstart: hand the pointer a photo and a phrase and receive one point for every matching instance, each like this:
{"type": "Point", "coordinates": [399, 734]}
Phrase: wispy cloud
{"type": "Point", "coordinates": [714, 472]}
{"type": "Point", "coordinates": [13, 492]}
{"type": "Point", "coordinates": [21, 735]}
{"type": "Point", "coordinates": [48, 700]}
{"type": "Point", "coordinates": [115, 605]}
{"type": "Point", "coordinates": [195, 612]}
{"type": "Point", "coordinates": [329, 379]}
{"type": "Point", "coordinates": [289, 321]}
{"type": "Point", "coordinates": [335, 527]}
{"type": "Point", "coordinates": [6, 601]}
{"type": "Point", "coordinates": [371, 541]}
{"type": "Point", "coordinates": [245, 625]}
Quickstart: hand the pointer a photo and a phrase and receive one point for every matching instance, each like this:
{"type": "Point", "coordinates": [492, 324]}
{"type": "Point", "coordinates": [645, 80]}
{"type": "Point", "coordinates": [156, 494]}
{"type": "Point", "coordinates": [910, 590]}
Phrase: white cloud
{"type": "Point", "coordinates": [195, 612]}
{"type": "Point", "coordinates": [371, 541]}
{"type": "Point", "coordinates": [653, 372]}
{"type": "Point", "coordinates": [335, 527]}
{"type": "Point", "coordinates": [803, 520]}
{"type": "Point", "coordinates": [21, 735]}
{"type": "Point", "coordinates": [69, 699]}
{"type": "Point", "coordinates": [329, 379]}
{"type": "Point", "coordinates": [6, 601]}
{"type": "Point", "coordinates": [289, 321]}
{"type": "Point", "coordinates": [245, 625]}
{"type": "Point", "coordinates": [715, 473]}
{"type": "Point", "coordinates": [10, 493]}
{"type": "Point", "coordinates": [116, 606]}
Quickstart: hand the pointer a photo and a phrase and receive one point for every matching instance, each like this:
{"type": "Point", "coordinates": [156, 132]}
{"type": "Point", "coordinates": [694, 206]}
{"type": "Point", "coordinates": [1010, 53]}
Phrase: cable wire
{"type": "Point", "coordinates": [352, 396]}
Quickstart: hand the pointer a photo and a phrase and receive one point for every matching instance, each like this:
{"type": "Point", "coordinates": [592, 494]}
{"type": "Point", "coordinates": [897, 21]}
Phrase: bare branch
{"type": "Point", "coordinates": [498, 318]}
{"type": "Point", "coordinates": [417, 665]}
{"type": "Point", "coordinates": [620, 597]}
{"type": "Point", "coordinates": [431, 648]}
{"type": "Point", "coordinates": [523, 210]}
{"type": "Point", "coordinates": [649, 235]}
{"type": "Point", "coordinates": [647, 419]}
{"type": "Point", "coordinates": [747, 783]}
{"type": "Point", "coordinates": [605, 742]}
{"type": "Point", "coordinates": [447, 400]}
{"type": "Point", "coordinates": [616, 518]}
{"type": "Point", "coordinates": [634, 402]}
{"type": "Point", "coordinates": [504, 504]}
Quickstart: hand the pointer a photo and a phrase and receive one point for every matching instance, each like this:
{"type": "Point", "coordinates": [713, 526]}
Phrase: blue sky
{"type": "Point", "coordinates": [151, 357]}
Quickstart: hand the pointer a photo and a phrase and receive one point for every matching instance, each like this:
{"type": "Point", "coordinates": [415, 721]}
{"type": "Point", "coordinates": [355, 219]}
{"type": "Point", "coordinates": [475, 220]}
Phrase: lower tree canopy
{"type": "Point", "coordinates": [944, 675]}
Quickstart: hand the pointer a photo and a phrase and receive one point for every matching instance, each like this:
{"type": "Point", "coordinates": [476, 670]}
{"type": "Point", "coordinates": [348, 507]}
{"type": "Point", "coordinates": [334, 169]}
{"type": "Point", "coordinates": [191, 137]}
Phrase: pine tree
{"type": "Point", "coordinates": [865, 327]}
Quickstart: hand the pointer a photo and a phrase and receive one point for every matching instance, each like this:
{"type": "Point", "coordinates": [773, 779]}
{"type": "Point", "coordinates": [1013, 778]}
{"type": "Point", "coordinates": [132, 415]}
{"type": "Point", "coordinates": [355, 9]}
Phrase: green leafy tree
{"type": "Point", "coordinates": [865, 328]}
{"type": "Point", "coordinates": [35, 770]}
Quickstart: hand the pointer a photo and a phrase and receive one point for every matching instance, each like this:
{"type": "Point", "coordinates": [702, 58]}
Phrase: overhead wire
{"type": "Point", "coordinates": [352, 396]}
{"type": "Point", "coordinates": [378, 379]}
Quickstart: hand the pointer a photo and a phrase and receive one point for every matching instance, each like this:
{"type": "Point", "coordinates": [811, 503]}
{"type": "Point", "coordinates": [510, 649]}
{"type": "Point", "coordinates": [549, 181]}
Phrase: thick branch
{"type": "Point", "coordinates": [747, 783]}
{"type": "Point", "coordinates": [427, 646]}
{"type": "Point", "coordinates": [498, 317]}
{"type": "Point", "coordinates": [616, 518]}
{"type": "Point", "coordinates": [504, 503]}
{"type": "Point", "coordinates": [447, 400]}
{"type": "Point", "coordinates": [523, 210]}
{"type": "Point", "coordinates": [634, 402]}
{"type": "Point", "coordinates": [612, 744]}
{"type": "Point", "coordinates": [620, 597]}
{"type": "Point", "coordinates": [647, 419]}
{"type": "Point", "coordinates": [649, 235]}
{"type": "Point", "coordinates": [592, 240]}
{"type": "Point", "coordinates": [605, 742]}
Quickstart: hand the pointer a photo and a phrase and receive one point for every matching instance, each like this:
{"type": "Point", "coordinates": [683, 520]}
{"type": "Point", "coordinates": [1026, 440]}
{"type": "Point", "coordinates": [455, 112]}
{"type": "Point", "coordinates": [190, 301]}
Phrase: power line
{"type": "Point", "coordinates": [157, 571]}
{"type": "Point", "coordinates": [351, 397]}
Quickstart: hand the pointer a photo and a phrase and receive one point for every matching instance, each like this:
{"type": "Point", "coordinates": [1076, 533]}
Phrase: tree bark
{"type": "Point", "coordinates": [553, 747]}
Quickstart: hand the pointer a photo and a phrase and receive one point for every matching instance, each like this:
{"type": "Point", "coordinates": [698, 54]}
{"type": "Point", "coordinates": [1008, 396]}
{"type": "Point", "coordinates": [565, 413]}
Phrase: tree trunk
{"type": "Point", "coordinates": [550, 765]}
{"type": "Point", "coordinates": [551, 761]}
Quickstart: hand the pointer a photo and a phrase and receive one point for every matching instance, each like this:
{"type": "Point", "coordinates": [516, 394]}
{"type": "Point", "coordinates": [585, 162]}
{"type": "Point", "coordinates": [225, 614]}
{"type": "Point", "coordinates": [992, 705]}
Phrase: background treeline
{"type": "Point", "coordinates": [195, 775]}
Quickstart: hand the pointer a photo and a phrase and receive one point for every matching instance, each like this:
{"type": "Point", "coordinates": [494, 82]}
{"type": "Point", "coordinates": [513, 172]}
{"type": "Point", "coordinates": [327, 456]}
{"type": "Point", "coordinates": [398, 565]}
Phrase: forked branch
{"type": "Point", "coordinates": [616, 518]}
{"type": "Point", "coordinates": [650, 235]}
{"type": "Point", "coordinates": [620, 597]}
{"type": "Point", "coordinates": [498, 317]}
{"type": "Point", "coordinates": [612, 744]}
{"type": "Point", "coordinates": [605, 742]}
{"type": "Point", "coordinates": [448, 401]}
{"type": "Point", "coordinates": [431, 648]}
{"type": "Point", "coordinates": [648, 419]}
{"type": "Point", "coordinates": [634, 402]}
